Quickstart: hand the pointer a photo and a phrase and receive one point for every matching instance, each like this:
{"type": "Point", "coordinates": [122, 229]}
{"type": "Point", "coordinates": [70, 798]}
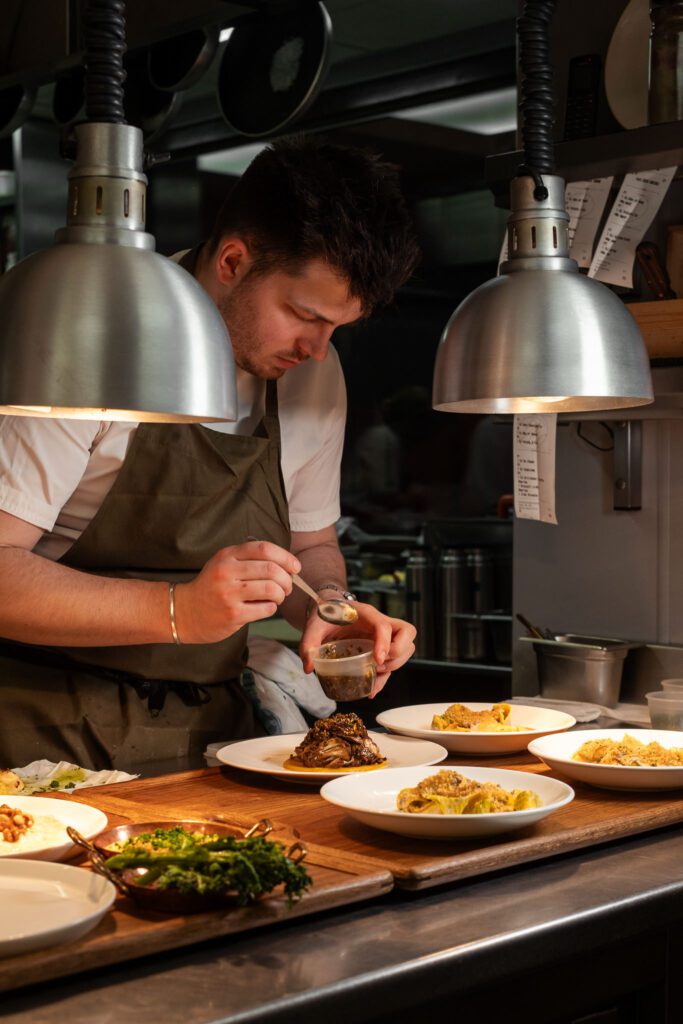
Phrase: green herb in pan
{"type": "Point", "coordinates": [195, 863]}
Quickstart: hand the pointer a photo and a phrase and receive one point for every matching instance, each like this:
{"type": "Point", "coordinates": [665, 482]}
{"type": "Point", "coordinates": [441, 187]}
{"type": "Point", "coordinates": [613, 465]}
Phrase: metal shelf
{"type": "Point", "coordinates": [636, 149]}
{"type": "Point", "coordinates": [471, 666]}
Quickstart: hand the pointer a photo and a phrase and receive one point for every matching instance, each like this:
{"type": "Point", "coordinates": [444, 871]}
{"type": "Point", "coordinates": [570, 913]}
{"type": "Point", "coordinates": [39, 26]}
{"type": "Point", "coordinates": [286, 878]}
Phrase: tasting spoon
{"type": "Point", "coordinates": [338, 613]}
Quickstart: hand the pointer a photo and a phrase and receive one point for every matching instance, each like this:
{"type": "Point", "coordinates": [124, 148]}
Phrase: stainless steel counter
{"type": "Point", "coordinates": [343, 965]}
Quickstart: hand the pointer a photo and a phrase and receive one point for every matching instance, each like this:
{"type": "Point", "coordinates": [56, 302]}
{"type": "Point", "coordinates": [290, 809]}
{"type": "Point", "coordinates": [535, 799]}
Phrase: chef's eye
{"type": "Point", "coordinates": [305, 317]}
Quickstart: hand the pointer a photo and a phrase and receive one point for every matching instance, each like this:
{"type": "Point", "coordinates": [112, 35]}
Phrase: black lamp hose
{"type": "Point", "coordinates": [105, 45]}
{"type": "Point", "coordinates": [536, 88]}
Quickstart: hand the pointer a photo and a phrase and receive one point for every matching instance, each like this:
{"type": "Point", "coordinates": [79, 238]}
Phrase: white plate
{"type": "Point", "coordinates": [416, 720]}
{"type": "Point", "coordinates": [266, 754]}
{"type": "Point", "coordinates": [372, 800]}
{"type": "Point", "coordinates": [43, 904]}
{"type": "Point", "coordinates": [557, 752]}
{"type": "Point", "coordinates": [87, 820]}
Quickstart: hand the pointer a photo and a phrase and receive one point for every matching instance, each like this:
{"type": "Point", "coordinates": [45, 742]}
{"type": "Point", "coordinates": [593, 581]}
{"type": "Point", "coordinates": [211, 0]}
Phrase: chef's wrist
{"type": "Point", "coordinates": [336, 591]}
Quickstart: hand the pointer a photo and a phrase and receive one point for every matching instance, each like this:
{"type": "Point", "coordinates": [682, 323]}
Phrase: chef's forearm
{"type": "Point", "coordinates": [321, 562]}
{"type": "Point", "coordinates": [43, 602]}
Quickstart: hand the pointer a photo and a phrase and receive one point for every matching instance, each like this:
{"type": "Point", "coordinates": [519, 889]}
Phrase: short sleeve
{"type": "Point", "coordinates": [313, 421]}
{"type": "Point", "coordinates": [41, 463]}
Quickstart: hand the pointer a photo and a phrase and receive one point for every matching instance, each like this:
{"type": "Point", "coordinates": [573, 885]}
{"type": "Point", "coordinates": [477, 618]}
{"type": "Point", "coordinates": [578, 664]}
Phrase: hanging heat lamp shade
{"type": "Point", "coordinates": [541, 337]}
{"type": "Point", "coordinates": [101, 326]}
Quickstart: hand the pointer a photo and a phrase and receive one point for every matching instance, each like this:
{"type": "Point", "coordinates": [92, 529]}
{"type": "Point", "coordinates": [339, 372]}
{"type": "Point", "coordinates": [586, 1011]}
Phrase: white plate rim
{"type": "Point", "coordinates": [382, 719]}
{"type": "Point", "coordinates": [41, 870]}
{"type": "Point", "coordinates": [320, 776]}
{"type": "Point", "coordinates": [58, 809]}
{"type": "Point", "coordinates": [548, 808]}
{"type": "Point", "coordinates": [600, 734]}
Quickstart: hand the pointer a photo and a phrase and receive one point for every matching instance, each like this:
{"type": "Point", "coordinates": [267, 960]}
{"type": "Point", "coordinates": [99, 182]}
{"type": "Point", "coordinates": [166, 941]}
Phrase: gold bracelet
{"type": "Point", "coordinates": [171, 608]}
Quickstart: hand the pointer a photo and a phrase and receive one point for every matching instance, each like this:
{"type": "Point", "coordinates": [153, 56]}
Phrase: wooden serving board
{"type": "Point", "coordinates": [594, 816]}
{"type": "Point", "coordinates": [347, 860]}
{"type": "Point", "coordinates": [128, 933]}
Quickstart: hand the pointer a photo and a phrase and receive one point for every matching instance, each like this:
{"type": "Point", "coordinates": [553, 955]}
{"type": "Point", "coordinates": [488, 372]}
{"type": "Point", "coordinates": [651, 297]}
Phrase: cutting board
{"type": "Point", "coordinates": [347, 860]}
{"type": "Point", "coordinates": [128, 933]}
{"type": "Point", "coordinates": [594, 816]}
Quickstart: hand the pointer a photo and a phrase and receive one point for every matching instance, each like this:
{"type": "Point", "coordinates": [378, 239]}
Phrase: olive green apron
{"type": "Point", "coordinates": [182, 493]}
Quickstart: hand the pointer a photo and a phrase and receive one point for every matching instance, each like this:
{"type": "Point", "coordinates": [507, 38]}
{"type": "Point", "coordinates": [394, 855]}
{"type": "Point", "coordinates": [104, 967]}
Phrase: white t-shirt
{"type": "Point", "coordinates": [56, 473]}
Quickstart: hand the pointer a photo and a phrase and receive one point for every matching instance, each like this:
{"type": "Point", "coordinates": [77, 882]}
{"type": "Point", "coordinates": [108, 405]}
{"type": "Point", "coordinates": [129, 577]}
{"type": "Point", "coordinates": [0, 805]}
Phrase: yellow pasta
{"type": "Point", "coordinates": [460, 718]}
{"type": "Point", "coordinates": [629, 752]}
{"type": "Point", "coordinates": [448, 792]}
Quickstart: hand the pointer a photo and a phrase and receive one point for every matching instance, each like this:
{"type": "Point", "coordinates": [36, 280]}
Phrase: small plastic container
{"type": "Point", "coordinates": [672, 684]}
{"type": "Point", "coordinates": [666, 709]}
{"type": "Point", "coordinates": [346, 668]}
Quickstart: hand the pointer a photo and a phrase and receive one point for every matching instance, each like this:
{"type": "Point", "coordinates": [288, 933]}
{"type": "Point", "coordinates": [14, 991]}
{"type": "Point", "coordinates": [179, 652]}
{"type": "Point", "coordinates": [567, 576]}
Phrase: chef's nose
{"type": "Point", "coordinates": [316, 343]}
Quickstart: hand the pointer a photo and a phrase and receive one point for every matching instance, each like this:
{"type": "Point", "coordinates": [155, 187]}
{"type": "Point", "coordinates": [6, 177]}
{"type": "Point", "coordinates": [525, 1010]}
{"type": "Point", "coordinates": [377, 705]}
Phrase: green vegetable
{"type": "Point", "coordinates": [212, 864]}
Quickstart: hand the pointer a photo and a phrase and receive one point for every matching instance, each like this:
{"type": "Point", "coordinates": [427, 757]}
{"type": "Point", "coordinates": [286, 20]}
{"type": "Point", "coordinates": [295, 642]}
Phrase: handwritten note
{"type": "Point", "coordinates": [585, 202]}
{"type": "Point", "coordinates": [534, 459]}
{"type": "Point", "coordinates": [639, 198]}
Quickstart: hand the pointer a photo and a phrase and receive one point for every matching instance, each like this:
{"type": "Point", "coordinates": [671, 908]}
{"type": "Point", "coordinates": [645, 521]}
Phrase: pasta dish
{"type": "Point", "coordinates": [629, 752]}
{"type": "Point", "coordinates": [448, 792]}
{"type": "Point", "coordinates": [460, 718]}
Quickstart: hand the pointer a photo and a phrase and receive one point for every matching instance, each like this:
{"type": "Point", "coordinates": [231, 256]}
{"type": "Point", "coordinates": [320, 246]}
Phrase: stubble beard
{"type": "Point", "coordinates": [238, 314]}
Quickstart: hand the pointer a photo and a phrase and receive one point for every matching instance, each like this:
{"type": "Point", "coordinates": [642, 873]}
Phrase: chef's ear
{"type": "Point", "coordinates": [232, 259]}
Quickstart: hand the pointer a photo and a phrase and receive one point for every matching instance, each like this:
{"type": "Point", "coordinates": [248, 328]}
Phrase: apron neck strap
{"type": "Point", "coordinates": [271, 398]}
{"type": "Point", "coordinates": [189, 260]}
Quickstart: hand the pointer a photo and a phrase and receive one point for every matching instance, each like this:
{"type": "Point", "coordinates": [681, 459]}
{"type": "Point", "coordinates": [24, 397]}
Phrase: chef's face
{"type": "Point", "coordinates": [277, 320]}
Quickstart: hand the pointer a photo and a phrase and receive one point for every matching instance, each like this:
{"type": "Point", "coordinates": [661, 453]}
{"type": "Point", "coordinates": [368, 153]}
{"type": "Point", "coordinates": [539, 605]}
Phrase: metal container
{"type": "Point", "coordinates": [480, 564]}
{"type": "Point", "coordinates": [420, 601]}
{"type": "Point", "coordinates": [588, 668]}
{"type": "Point", "coordinates": [467, 638]}
{"type": "Point", "coordinates": [455, 597]}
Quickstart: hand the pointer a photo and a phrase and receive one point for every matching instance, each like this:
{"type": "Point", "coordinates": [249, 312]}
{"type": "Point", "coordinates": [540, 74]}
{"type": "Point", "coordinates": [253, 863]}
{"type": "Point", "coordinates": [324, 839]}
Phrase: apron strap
{"type": "Point", "coordinates": [189, 261]}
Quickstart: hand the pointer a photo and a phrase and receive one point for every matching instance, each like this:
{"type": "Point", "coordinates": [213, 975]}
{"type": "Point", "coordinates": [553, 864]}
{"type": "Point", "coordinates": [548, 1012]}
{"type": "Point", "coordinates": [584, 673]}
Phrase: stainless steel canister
{"type": "Point", "coordinates": [420, 601]}
{"type": "Point", "coordinates": [480, 564]}
{"type": "Point", "coordinates": [455, 598]}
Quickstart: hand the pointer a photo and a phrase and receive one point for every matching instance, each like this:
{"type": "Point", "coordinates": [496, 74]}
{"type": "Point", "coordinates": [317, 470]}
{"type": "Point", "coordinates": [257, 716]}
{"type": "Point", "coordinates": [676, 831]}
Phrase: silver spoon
{"type": "Point", "coordinates": [339, 613]}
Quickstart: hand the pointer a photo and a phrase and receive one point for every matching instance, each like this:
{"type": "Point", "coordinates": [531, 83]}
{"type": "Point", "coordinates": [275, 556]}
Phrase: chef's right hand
{"type": "Point", "coordinates": [237, 585]}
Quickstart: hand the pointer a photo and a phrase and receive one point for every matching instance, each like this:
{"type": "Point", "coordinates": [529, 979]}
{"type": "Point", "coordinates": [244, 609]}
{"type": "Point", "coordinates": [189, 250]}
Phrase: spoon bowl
{"type": "Point", "coordinates": [338, 613]}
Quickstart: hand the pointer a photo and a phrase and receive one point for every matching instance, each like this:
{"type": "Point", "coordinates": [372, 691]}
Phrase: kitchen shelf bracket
{"type": "Point", "coordinates": [628, 463]}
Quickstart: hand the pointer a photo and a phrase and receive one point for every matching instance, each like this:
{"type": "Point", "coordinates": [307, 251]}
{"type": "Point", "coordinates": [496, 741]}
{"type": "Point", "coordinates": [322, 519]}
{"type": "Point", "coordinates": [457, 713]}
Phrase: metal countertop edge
{"type": "Point", "coordinates": [402, 985]}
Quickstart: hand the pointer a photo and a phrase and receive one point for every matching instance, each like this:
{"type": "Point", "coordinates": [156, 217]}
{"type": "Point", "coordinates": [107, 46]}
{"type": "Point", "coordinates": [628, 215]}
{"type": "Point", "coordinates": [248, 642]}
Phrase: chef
{"type": "Point", "coordinates": [127, 576]}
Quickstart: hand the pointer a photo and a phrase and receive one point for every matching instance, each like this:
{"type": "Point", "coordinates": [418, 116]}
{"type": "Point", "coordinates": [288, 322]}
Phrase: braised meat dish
{"type": "Point", "coordinates": [337, 743]}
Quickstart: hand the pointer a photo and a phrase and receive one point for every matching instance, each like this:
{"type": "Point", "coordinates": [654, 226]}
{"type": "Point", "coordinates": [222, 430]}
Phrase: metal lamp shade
{"type": "Point", "coordinates": [112, 332]}
{"type": "Point", "coordinates": [541, 340]}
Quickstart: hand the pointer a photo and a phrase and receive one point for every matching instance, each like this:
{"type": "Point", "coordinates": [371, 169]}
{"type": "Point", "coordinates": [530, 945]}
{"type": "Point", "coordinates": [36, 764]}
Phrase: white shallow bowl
{"type": "Point", "coordinates": [416, 720]}
{"type": "Point", "coordinates": [557, 753]}
{"type": "Point", "coordinates": [372, 800]}
{"type": "Point", "coordinates": [45, 904]}
{"type": "Point", "coordinates": [266, 754]}
{"type": "Point", "coordinates": [86, 820]}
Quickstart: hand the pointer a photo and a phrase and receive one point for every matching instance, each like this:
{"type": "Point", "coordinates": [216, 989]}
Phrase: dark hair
{"type": "Point", "coordinates": [303, 198]}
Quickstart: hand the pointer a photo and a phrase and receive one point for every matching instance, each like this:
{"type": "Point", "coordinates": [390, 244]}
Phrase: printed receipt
{"type": "Point", "coordinates": [534, 455]}
{"type": "Point", "coordinates": [639, 198]}
{"type": "Point", "coordinates": [585, 202]}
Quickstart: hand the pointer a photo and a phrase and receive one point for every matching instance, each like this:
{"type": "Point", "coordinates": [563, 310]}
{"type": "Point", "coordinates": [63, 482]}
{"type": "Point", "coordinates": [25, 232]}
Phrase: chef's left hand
{"type": "Point", "coordinates": [393, 639]}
